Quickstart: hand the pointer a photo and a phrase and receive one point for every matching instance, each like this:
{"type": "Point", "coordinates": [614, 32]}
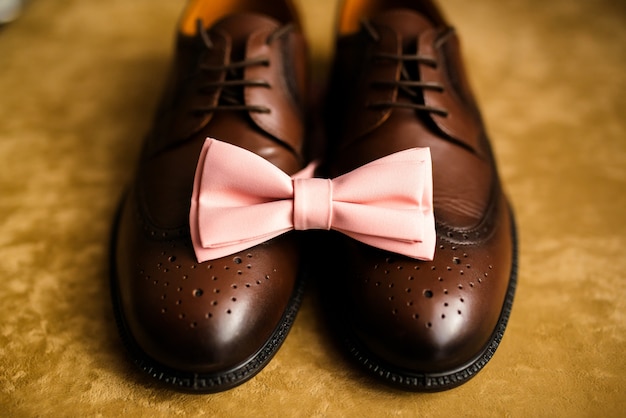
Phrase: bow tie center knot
{"type": "Point", "coordinates": [312, 203]}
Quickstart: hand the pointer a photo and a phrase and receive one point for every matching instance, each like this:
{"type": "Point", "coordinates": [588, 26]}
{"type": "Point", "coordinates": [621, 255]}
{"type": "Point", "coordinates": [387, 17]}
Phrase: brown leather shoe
{"type": "Point", "coordinates": [397, 83]}
{"type": "Point", "coordinates": [239, 75]}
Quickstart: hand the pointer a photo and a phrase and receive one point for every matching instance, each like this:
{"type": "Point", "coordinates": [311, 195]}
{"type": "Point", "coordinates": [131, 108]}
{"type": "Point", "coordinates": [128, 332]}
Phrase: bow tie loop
{"type": "Point", "coordinates": [312, 203]}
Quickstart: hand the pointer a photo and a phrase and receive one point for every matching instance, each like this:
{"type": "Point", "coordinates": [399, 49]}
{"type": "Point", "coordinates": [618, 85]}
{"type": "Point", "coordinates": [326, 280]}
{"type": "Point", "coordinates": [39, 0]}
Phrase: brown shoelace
{"type": "Point", "coordinates": [232, 87]}
{"type": "Point", "coordinates": [407, 84]}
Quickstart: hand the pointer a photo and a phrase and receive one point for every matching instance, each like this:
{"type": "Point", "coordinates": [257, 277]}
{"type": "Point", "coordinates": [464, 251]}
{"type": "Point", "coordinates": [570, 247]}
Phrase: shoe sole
{"type": "Point", "coordinates": [200, 382]}
{"type": "Point", "coordinates": [436, 382]}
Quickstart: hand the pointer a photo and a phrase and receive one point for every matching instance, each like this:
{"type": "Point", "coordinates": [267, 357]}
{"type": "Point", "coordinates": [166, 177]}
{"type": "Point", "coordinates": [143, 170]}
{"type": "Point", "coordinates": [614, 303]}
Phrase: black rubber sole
{"type": "Point", "coordinates": [430, 382]}
{"type": "Point", "coordinates": [201, 383]}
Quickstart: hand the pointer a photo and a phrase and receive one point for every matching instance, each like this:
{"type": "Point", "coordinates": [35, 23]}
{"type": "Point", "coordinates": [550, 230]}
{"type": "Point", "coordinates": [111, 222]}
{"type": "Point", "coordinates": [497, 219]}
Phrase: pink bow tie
{"type": "Point", "coordinates": [241, 200]}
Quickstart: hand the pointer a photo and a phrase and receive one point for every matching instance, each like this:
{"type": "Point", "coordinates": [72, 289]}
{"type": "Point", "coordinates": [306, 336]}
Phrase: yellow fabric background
{"type": "Point", "coordinates": [78, 83]}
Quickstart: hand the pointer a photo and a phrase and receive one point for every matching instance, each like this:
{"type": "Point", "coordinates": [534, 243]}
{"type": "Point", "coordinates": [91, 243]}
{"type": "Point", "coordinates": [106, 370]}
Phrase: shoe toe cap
{"type": "Point", "coordinates": [202, 317]}
{"type": "Point", "coordinates": [427, 317]}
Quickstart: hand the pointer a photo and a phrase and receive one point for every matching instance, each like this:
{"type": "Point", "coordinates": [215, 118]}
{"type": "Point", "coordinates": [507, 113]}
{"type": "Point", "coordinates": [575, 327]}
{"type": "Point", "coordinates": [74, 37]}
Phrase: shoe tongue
{"type": "Point", "coordinates": [240, 26]}
{"type": "Point", "coordinates": [407, 23]}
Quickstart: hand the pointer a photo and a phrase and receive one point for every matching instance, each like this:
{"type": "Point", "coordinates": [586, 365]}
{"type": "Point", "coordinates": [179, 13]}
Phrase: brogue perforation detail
{"type": "Point", "coordinates": [411, 287]}
{"type": "Point", "coordinates": [211, 285]}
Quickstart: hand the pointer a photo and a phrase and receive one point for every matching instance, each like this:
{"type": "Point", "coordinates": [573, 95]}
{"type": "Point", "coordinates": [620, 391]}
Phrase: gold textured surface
{"type": "Point", "coordinates": [78, 83]}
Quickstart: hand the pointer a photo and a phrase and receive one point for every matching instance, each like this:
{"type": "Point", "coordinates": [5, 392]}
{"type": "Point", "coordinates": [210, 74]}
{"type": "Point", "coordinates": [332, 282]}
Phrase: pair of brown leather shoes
{"type": "Point", "coordinates": [240, 76]}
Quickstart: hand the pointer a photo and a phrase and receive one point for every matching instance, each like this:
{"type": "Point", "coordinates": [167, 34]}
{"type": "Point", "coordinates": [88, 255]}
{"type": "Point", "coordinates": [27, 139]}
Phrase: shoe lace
{"type": "Point", "coordinates": [407, 84]}
{"type": "Point", "coordinates": [233, 85]}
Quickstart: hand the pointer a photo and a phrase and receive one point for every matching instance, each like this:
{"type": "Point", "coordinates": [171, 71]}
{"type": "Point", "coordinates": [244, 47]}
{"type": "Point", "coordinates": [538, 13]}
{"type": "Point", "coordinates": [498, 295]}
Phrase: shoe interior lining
{"type": "Point", "coordinates": [210, 11]}
{"type": "Point", "coordinates": [353, 11]}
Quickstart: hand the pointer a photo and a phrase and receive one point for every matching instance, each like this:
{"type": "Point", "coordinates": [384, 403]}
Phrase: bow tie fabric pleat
{"type": "Point", "coordinates": [241, 200]}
